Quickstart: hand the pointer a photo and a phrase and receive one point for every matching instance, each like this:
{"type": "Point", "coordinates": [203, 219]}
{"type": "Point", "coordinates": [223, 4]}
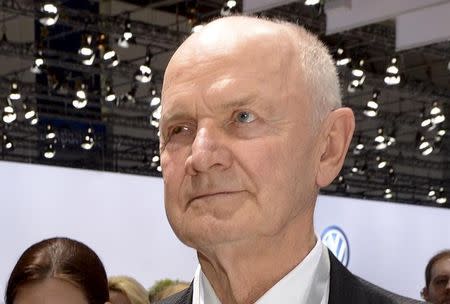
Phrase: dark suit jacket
{"type": "Point", "coordinates": [345, 288]}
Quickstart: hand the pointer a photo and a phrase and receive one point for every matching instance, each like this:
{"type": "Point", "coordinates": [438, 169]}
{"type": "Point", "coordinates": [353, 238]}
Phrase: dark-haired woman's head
{"type": "Point", "coordinates": [58, 270]}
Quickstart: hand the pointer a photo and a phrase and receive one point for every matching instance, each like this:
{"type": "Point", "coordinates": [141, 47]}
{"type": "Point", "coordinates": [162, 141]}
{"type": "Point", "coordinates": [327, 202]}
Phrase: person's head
{"type": "Point", "coordinates": [437, 279]}
{"type": "Point", "coordinates": [58, 270]}
{"type": "Point", "coordinates": [126, 290]}
{"type": "Point", "coordinates": [251, 128]}
{"type": "Point", "coordinates": [165, 288]}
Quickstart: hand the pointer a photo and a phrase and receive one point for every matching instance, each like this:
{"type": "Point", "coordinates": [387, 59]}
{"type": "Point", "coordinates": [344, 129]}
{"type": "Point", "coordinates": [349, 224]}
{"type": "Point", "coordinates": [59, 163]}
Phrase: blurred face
{"type": "Point", "coordinates": [50, 291]}
{"type": "Point", "coordinates": [439, 290]}
{"type": "Point", "coordinates": [116, 297]}
{"type": "Point", "coordinates": [237, 148]}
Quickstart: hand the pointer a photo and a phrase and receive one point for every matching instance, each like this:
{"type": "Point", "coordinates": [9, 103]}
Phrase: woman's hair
{"type": "Point", "coordinates": [165, 288]}
{"type": "Point", "coordinates": [131, 288]}
{"type": "Point", "coordinates": [60, 258]}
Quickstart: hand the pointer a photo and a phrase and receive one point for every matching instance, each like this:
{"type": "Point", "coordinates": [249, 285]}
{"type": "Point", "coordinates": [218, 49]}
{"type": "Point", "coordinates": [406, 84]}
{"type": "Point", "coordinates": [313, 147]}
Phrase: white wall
{"type": "Point", "coordinates": [122, 218]}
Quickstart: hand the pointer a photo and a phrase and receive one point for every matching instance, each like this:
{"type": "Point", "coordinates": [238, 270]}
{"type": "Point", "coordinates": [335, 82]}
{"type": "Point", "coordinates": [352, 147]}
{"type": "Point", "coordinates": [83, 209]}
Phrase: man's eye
{"type": "Point", "coordinates": [245, 117]}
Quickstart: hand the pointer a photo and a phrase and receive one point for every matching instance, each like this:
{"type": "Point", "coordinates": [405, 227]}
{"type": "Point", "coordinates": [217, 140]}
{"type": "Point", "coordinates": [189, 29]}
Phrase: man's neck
{"type": "Point", "coordinates": [242, 272]}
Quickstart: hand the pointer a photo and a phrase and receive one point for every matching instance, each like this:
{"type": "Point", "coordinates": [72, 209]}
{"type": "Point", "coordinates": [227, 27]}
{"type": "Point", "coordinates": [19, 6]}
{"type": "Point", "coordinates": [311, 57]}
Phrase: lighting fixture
{"type": "Point", "coordinates": [381, 163]}
{"type": "Point", "coordinates": [130, 96]}
{"type": "Point", "coordinates": [29, 112]}
{"type": "Point", "coordinates": [154, 122]}
{"type": "Point", "coordinates": [312, 2]}
{"type": "Point", "coordinates": [48, 14]}
{"type": "Point", "coordinates": [49, 151]}
{"type": "Point", "coordinates": [392, 73]}
{"type": "Point", "coordinates": [357, 70]}
{"type": "Point", "coordinates": [228, 8]}
{"type": "Point", "coordinates": [371, 109]}
{"type": "Point", "coordinates": [109, 57]}
{"type": "Point", "coordinates": [159, 169]}
{"type": "Point", "coordinates": [86, 46]}
{"type": "Point", "coordinates": [441, 197]}
{"type": "Point", "coordinates": [34, 120]}
{"type": "Point", "coordinates": [81, 97]}
{"type": "Point", "coordinates": [110, 96]}
{"type": "Point", "coordinates": [9, 115]}
{"type": "Point", "coordinates": [88, 140]}
{"type": "Point", "coordinates": [424, 146]}
{"type": "Point", "coordinates": [342, 58]}
{"type": "Point", "coordinates": [358, 147]}
{"type": "Point", "coordinates": [14, 93]}
{"type": "Point", "coordinates": [380, 136]}
{"type": "Point", "coordinates": [441, 132]}
{"type": "Point", "coordinates": [38, 64]}
{"type": "Point", "coordinates": [155, 100]}
{"type": "Point", "coordinates": [7, 143]}
{"type": "Point", "coordinates": [127, 36]}
{"type": "Point", "coordinates": [144, 74]}
{"type": "Point", "coordinates": [388, 193]}
{"type": "Point", "coordinates": [50, 133]}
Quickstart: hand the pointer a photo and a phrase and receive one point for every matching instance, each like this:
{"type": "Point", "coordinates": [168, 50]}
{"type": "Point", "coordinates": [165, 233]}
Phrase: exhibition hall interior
{"type": "Point", "coordinates": [80, 105]}
{"type": "Point", "coordinates": [81, 85]}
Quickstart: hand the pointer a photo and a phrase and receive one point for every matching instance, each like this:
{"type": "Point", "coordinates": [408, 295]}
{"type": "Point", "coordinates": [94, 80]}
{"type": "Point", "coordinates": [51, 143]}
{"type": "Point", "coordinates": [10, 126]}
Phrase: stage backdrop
{"type": "Point", "coordinates": [122, 218]}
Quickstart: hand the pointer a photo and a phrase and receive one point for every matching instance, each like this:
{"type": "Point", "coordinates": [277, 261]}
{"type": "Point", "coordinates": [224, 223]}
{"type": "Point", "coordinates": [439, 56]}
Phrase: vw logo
{"type": "Point", "coordinates": [334, 238]}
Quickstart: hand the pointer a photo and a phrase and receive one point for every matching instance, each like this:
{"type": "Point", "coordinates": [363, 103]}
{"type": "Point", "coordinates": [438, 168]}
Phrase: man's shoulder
{"type": "Point", "coordinates": [182, 297]}
{"type": "Point", "coordinates": [345, 287]}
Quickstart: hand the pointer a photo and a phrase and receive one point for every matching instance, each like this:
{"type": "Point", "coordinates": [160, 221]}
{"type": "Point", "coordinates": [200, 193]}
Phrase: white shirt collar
{"type": "Point", "coordinates": [308, 282]}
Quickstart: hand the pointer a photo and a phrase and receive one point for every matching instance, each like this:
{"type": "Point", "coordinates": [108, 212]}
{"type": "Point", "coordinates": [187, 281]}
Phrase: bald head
{"type": "Point", "coordinates": [295, 55]}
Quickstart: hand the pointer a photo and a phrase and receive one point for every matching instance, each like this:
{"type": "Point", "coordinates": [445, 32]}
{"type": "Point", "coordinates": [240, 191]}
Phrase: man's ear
{"type": "Point", "coordinates": [337, 133]}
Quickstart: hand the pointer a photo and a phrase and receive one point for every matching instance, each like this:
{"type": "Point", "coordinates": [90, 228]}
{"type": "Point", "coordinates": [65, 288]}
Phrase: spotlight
{"type": "Point", "coordinates": [34, 120]}
{"type": "Point", "coordinates": [357, 70]}
{"type": "Point", "coordinates": [29, 112]}
{"type": "Point", "coordinates": [381, 163]}
{"type": "Point", "coordinates": [49, 151]}
{"type": "Point", "coordinates": [159, 169]}
{"type": "Point", "coordinates": [312, 2]}
{"type": "Point", "coordinates": [110, 96]}
{"type": "Point", "coordinates": [423, 145]}
{"type": "Point", "coordinates": [129, 97]}
{"type": "Point", "coordinates": [441, 197]}
{"type": "Point", "coordinates": [50, 134]}
{"type": "Point", "coordinates": [88, 140]}
{"type": "Point", "coordinates": [342, 58]}
{"type": "Point", "coordinates": [441, 132]}
{"type": "Point", "coordinates": [371, 109]}
{"type": "Point", "coordinates": [228, 7]}
{"type": "Point", "coordinates": [392, 77]}
{"type": "Point", "coordinates": [127, 36]}
{"type": "Point", "coordinates": [358, 147]}
{"type": "Point", "coordinates": [81, 98]}
{"type": "Point", "coordinates": [48, 14]}
{"type": "Point", "coordinates": [387, 193]}
{"type": "Point", "coordinates": [359, 167]}
{"type": "Point", "coordinates": [86, 46]}
{"type": "Point", "coordinates": [155, 100]}
{"type": "Point", "coordinates": [7, 143]}
{"type": "Point", "coordinates": [380, 139]}
{"type": "Point", "coordinates": [14, 93]}
{"type": "Point", "coordinates": [39, 64]}
{"type": "Point", "coordinates": [9, 115]}
{"type": "Point", "coordinates": [144, 74]}
{"type": "Point", "coordinates": [110, 57]}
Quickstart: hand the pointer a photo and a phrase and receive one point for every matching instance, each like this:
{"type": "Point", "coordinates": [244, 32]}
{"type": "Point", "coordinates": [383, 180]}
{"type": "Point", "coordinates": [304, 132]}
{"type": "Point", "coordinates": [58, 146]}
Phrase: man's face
{"type": "Point", "coordinates": [438, 292]}
{"type": "Point", "coordinates": [238, 152]}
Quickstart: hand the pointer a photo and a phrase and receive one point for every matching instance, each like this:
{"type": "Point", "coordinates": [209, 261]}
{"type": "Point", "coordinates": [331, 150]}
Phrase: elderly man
{"type": "Point", "coordinates": [251, 128]}
{"type": "Point", "coordinates": [437, 279]}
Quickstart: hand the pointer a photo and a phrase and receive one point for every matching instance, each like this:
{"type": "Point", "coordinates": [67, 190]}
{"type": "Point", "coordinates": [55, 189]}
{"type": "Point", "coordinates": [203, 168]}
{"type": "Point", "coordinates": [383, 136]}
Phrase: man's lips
{"type": "Point", "coordinates": [212, 194]}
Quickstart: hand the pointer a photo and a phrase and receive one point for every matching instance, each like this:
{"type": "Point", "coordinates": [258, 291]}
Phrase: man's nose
{"type": "Point", "coordinates": [209, 151]}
